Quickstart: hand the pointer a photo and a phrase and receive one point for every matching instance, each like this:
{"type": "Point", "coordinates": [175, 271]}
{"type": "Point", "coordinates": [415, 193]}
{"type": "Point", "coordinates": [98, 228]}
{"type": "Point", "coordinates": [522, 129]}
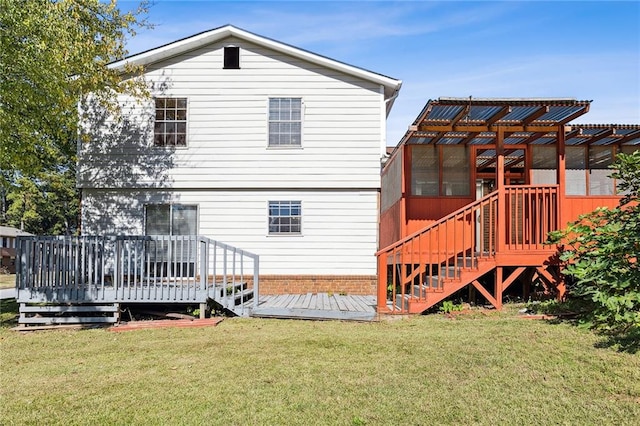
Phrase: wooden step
{"type": "Point", "coordinates": [53, 314]}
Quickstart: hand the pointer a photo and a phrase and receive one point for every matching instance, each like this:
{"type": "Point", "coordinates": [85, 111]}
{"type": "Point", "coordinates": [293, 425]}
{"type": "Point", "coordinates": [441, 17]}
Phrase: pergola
{"type": "Point", "coordinates": [504, 125]}
{"type": "Point", "coordinates": [476, 121]}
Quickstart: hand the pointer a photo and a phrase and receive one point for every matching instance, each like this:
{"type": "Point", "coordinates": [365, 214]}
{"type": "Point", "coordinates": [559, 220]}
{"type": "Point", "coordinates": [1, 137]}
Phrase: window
{"type": "Point", "coordinates": [545, 165]}
{"type": "Point", "coordinates": [231, 58]}
{"type": "Point", "coordinates": [171, 122]}
{"type": "Point", "coordinates": [285, 122]}
{"type": "Point", "coordinates": [425, 178]}
{"type": "Point", "coordinates": [171, 219]}
{"type": "Point", "coordinates": [455, 171]}
{"type": "Point", "coordinates": [600, 182]}
{"type": "Point", "coordinates": [173, 257]}
{"type": "Point", "coordinates": [588, 170]}
{"type": "Point", "coordinates": [285, 217]}
{"type": "Point", "coordinates": [428, 179]}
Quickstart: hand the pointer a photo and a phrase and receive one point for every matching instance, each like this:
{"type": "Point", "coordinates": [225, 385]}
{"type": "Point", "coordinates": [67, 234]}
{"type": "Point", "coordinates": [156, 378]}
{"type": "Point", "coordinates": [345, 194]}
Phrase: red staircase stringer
{"type": "Point", "coordinates": [417, 306]}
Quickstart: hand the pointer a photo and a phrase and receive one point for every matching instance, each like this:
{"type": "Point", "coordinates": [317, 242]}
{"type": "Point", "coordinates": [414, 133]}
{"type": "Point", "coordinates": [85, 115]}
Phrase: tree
{"type": "Point", "coordinates": [52, 53]}
{"type": "Point", "coordinates": [48, 205]}
{"type": "Point", "coordinates": [602, 255]}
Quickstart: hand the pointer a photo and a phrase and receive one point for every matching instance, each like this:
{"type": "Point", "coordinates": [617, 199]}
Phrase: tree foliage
{"type": "Point", "coordinates": [51, 53]}
{"type": "Point", "coordinates": [49, 205]}
{"type": "Point", "coordinates": [602, 255]}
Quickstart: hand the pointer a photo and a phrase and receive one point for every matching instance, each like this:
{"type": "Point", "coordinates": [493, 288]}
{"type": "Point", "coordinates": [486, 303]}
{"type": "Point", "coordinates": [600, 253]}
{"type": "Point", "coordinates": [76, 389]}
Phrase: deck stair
{"type": "Point", "coordinates": [236, 299]}
{"type": "Point", "coordinates": [40, 314]}
{"type": "Point", "coordinates": [457, 250]}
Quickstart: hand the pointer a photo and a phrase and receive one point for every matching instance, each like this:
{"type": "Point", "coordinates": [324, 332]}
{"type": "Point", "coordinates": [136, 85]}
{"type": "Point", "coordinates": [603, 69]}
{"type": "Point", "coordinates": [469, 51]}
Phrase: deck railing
{"type": "Point", "coordinates": [132, 269]}
{"type": "Point", "coordinates": [426, 259]}
{"type": "Point", "coordinates": [531, 212]}
{"type": "Point", "coordinates": [511, 219]}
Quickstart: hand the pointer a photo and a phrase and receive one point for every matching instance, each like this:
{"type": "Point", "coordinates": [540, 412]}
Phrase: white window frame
{"type": "Point", "coordinates": [175, 121]}
{"type": "Point", "coordinates": [171, 212]}
{"type": "Point", "coordinates": [291, 204]}
{"type": "Point", "coordinates": [269, 121]}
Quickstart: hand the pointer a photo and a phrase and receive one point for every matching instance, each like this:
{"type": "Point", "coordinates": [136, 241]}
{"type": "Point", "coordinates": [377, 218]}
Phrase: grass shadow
{"type": "Point", "coordinates": [628, 342]}
{"type": "Point", "coordinates": [9, 311]}
{"type": "Point", "coordinates": [573, 312]}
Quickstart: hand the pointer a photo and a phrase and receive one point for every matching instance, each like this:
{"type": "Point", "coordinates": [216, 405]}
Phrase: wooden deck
{"type": "Point", "coordinates": [320, 306]}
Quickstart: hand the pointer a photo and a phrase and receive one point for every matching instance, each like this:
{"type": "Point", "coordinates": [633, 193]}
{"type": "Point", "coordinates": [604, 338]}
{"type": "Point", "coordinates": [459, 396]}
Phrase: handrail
{"type": "Point", "coordinates": [134, 268]}
{"type": "Point", "coordinates": [440, 221]}
{"type": "Point", "coordinates": [512, 218]}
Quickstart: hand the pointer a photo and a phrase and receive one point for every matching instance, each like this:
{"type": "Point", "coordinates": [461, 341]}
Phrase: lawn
{"type": "Point", "coordinates": [482, 369]}
{"type": "Point", "coordinates": [7, 280]}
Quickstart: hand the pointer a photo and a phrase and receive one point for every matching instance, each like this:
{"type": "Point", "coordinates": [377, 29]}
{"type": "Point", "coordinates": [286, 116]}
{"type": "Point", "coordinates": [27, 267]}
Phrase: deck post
{"type": "Point", "coordinates": [382, 283]}
{"type": "Point", "coordinates": [499, 287]}
{"type": "Point", "coordinates": [501, 228]}
{"type": "Point", "coordinates": [256, 281]}
{"type": "Point", "coordinates": [561, 178]}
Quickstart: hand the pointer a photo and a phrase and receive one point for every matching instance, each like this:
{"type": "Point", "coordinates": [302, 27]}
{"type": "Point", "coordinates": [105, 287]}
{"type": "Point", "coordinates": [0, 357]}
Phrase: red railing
{"type": "Point", "coordinates": [531, 212]}
{"type": "Point", "coordinates": [424, 261]}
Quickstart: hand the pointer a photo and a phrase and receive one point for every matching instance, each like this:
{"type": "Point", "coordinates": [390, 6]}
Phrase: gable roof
{"type": "Point", "coordinates": [391, 85]}
{"type": "Point", "coordinates": [8, 231]}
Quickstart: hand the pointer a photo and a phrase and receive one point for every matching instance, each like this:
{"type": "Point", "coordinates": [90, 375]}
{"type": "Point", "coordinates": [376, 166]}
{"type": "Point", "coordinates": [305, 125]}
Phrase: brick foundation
{"type": "Point", "coordinates": [299, 284]}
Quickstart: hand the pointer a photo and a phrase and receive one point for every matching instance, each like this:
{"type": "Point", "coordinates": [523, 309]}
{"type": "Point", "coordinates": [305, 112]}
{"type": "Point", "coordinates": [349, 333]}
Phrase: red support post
{"type": "Point", "coordinates": [382, 283]}
{"type": "Point", "coordinates": [499, 287]}
{"type": "Point", "coordinates": [502, 204]}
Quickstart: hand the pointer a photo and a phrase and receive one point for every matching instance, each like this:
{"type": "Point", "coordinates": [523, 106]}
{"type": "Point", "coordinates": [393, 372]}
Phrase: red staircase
{"type": "Point", "coordinates": [430, 265]}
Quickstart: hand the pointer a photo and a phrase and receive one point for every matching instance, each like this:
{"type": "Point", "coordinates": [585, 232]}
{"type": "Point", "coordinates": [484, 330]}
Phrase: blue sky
{"type": "Point", "coordinates": [588, 50]}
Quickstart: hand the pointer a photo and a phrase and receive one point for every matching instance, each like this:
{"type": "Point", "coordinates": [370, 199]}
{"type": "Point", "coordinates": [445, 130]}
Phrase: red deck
{"type": "Point", "coordinates": [439, 235]}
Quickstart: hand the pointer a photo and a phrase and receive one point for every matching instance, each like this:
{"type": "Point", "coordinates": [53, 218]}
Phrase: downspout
{"type": "Point", "coordinates": [383, 123]}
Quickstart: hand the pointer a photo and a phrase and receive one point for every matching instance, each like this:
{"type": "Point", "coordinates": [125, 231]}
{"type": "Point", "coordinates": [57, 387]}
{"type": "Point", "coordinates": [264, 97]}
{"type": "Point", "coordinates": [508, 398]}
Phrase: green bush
{"type": "Point", "coordinates": [602, 252]}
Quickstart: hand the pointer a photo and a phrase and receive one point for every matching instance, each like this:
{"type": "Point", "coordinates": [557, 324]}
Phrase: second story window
{"type": "Point", "coordinates": [170, 127]}
{"type": "Point", "coordinates": [285, 122]}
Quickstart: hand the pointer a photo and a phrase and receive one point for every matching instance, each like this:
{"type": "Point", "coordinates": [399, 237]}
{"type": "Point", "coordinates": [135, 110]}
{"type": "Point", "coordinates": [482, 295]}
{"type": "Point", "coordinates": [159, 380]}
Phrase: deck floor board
{"type": "Point", "coordinates": [317, 306]}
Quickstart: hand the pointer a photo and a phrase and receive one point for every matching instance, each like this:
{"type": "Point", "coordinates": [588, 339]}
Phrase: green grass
{"type": "Point", "coordinates": [493, 369]}
{"type": "Point", "coordinates": [7, 280]}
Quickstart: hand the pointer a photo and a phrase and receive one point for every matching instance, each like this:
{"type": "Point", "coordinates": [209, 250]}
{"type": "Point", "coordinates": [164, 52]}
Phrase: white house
{"type": "Point", "coordinates": [254, 143]}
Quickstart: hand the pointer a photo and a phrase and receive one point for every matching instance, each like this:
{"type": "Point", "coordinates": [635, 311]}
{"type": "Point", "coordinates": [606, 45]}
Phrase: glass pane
{"type": "Point", "coordinates": [544, 157]}
{"type": "Point", "coordinates": [170, 103]}
{"type": "Point", "coordinates": [182, 103]}
{"type": "Point", "coordinates": [455, 171]}
{"type": "Point", "coordinates": [575, 157]}
{"type": "Point", "coordinates": [576, 182]}
{"type": "Point", "coordinates": [157, 219]}
{"type": "Point", "coordinates": [600, 157]}
{"type": "Point", "coordinates": [184, 221]}
{"type": "Point", "coordinates": [160, 103]}
{"type": "Point", "coordinates": [424, 170]}
{"type": "Point", "coordinates": [170, 115]}
{"type": "Point", "coordinates": [600, 183]}
{"type": "Point", "coordinates": [544, 177]}
{"type": "Point", "coordinates": [159, 114]}
{"type": "Point", "coordinates": [181, 114]}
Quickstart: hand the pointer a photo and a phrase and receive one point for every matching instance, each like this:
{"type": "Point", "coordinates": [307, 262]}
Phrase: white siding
{"type": "Point", "coordinates": [339, 228]}
{"type": "Point", "coordinates": [227, 128]}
